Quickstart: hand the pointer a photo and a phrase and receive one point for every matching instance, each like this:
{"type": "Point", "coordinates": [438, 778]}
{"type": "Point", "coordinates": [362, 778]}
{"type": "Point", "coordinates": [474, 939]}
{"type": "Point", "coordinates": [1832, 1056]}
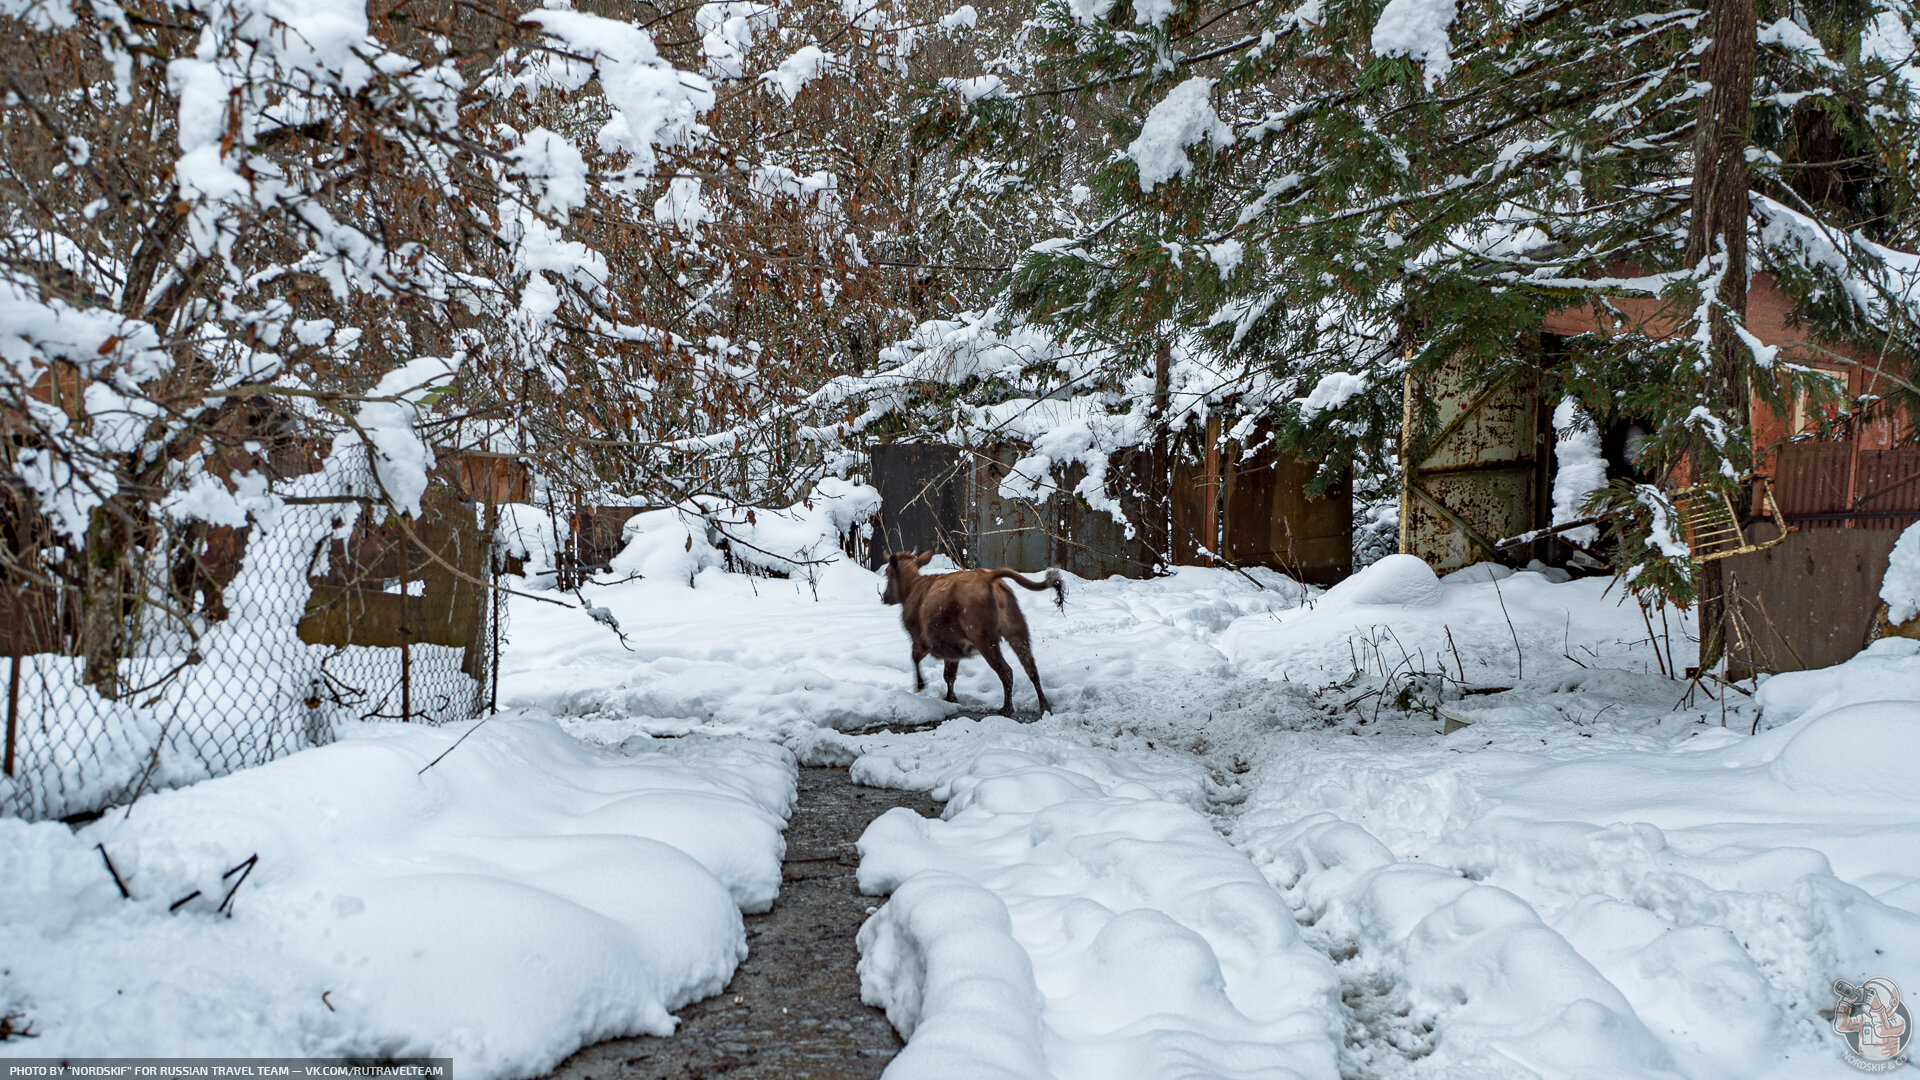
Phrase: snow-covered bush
{"type": "Point", "coordinates": [801, 540]}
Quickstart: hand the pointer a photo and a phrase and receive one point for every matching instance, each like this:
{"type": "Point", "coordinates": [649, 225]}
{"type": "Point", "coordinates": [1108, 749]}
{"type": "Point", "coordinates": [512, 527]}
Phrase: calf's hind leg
{"type": "Point", "coordinates": [991, 653]}
{"type": "Point", "coordinates": [953, 668]}
{"type": "Point", "coordinates": [1024, 650]}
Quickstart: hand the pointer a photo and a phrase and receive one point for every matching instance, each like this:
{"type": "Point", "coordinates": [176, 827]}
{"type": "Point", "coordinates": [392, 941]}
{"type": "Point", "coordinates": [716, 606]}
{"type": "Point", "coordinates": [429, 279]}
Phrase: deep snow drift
{"type": "Point", "coordinates": [1602, 874]}
{"type": "Point", "coordinates": [525, 895]}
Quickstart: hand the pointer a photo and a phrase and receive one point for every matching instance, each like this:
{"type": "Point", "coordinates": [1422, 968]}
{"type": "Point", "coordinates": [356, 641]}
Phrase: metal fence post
{"type": "Point", "coordinates": [493, 654]}
{"type": "Point", "coordinates": [406, 635]}
{"type": "Point", "coordinates": [13, 704]}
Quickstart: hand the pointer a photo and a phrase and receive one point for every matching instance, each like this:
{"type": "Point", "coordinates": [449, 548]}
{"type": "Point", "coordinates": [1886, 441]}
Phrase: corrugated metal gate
{"type": "Point", "coordinates": [1834, 485]}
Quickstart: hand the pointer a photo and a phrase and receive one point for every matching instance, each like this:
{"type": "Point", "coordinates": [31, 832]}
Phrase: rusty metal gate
{"type": "Point", "coordinates": [1474, 455]}
{"type": "Point", "coordinates": [923, 487]}
{"type": "Point", "coordinates": [1244, 502]}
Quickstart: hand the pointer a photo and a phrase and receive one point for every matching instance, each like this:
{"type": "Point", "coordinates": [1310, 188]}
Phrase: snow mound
{"type": "Point", "coordinates": [666, 545]}
{"type": "Point", "coordinates": [1864, 750]}
{"type": "Point", "coordinates": [522, 897]}
{"type": "Point", "coordinates": [1886, 670]}
{"type": "Point", "coordinates": [941, 959]}
{"type": "Point", "coordinates": [1480, 571]}
{"type": "Point", "coordinates": [1398, 580]}
{"type": "Point", "coordinates": [1050, 926]}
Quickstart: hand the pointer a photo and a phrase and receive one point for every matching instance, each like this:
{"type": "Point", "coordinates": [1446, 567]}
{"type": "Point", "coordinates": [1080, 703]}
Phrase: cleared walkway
{"type": "Point", "coordinates": [793, 1009]}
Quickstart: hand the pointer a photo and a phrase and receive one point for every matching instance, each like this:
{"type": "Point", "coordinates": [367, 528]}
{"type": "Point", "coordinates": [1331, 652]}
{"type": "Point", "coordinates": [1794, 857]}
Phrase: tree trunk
{"type": "Point", "coordinates": [1718, 230]}
{"type": "Point", "coordinates": [1160, 462]}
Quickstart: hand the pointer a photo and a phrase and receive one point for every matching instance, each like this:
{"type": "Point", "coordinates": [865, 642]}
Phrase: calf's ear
{"type": "Point", "coordinates": [923, 558]}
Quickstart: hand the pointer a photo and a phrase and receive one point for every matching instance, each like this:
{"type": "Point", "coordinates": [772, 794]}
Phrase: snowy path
{"type": "Point", "coordinates": [1242, 846]}
{"type": "Point", "coordinates": [793, 1008]}
{"type": "Point", "coordinates": [1603, 872]}
{"type": "Point", "coordinates": [1063, 920]}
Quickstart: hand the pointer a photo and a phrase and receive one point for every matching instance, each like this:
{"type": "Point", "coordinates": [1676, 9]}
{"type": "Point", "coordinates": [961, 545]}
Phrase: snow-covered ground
{"type": "Point", "coordinates": [1243, 845]}
{"type": "Point", "coordinates": [1603, 874]}
{"type": "Point", "coordinates": [523, 896]}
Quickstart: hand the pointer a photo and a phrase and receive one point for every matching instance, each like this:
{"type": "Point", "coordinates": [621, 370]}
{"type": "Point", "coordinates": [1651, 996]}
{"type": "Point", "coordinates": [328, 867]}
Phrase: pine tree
{"type": "Point", "coordinates": [1336, 194]}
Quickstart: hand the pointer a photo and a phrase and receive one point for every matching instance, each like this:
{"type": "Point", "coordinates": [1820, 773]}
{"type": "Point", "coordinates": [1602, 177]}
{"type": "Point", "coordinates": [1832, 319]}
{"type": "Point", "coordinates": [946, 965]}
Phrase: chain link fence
{"type": "Point", "coordinates": [213, 648]}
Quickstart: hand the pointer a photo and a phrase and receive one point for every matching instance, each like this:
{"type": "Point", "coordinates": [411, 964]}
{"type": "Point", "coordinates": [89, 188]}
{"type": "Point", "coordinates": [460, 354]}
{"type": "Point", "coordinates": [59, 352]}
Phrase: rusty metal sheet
{"type": "Point", "coordinates": [355, 615]}
{"type": "Point", "coordinates": [921, 487]}
{"type": "Point", "coordinates": [488, 478]}
{"type": "Point", "coordinates": [1063, 531]}
{"type": "Point", "coordinates": [30, 621]}
{"type": "Point", "coordinates": [1267, 518]}
{"type": "Point", "coordinates": [29, 611]}
{"type": "Point", "coordinates": [1090, 542]}
{"type": "Point", "coordinates": [1475, 461]}
{"type": "Point", "coordinates": [1837, 484]}
{"type": "Point", "coordinates": [1811, 478]}
{"type": "Point", "coordinates": [594, 532]}
{"type": "Point", "coordinates": [1807, 603]}
{"type": "Point", "coordinates": [1191, 496]}
{"type": "Point", "coordinates": [1004, 532]}
{"type": "Point", "coordinates": [1888, 489]}
{"type": "Point", "coordinates": [1254, 510]}
{"type": "Point", "coordinates": [384, 589]}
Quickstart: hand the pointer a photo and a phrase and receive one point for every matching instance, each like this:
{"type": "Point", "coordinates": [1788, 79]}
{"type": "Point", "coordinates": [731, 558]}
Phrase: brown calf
{"type": "Point", "coordinates": [953, 616]}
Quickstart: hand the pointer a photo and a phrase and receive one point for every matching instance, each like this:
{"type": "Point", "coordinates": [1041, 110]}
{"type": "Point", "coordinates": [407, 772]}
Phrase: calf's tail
{"type": "Point", "coordinates": [1052, 581]}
